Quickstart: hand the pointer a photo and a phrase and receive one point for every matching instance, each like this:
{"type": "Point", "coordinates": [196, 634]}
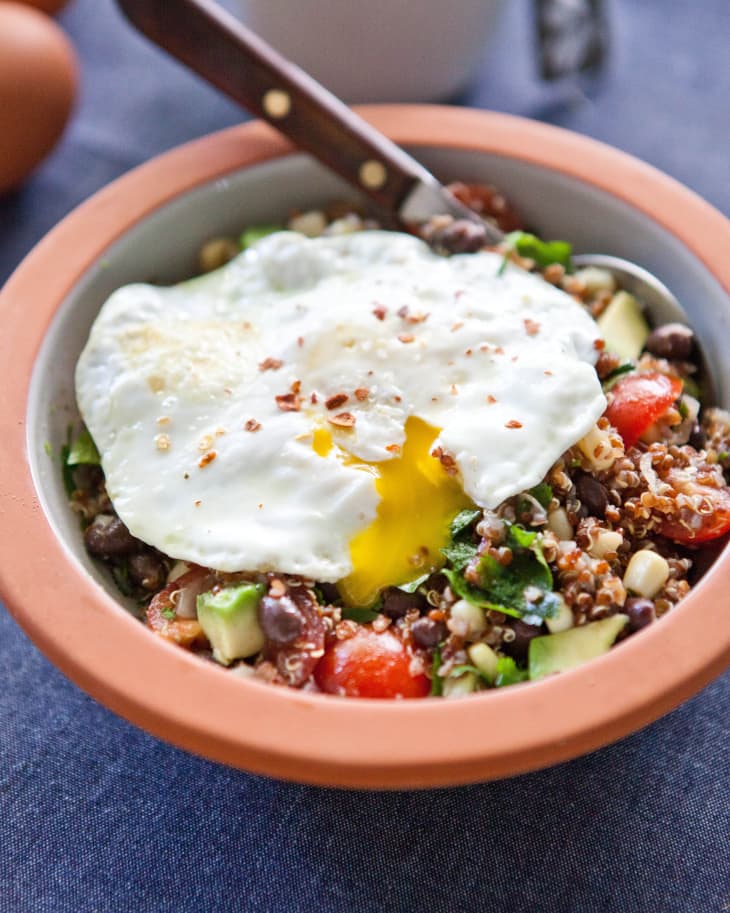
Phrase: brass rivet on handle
{"type": "Point", "coordinates": [373, 174]}
{"type": "Point", "coordinates": [277, 103]}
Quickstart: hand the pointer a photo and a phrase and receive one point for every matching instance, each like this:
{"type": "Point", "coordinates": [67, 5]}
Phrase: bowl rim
{"type": "Point", "coordinates": [302, 736]}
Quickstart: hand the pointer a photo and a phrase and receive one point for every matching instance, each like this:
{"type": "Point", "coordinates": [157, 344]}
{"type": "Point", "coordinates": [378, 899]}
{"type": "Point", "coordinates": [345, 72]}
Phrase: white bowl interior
{"type": "Point", "coordinates": [163, 248]}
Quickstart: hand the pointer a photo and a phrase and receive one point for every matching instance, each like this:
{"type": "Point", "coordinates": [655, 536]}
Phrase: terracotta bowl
{"type": "Point", "coordinates": [149, 225]}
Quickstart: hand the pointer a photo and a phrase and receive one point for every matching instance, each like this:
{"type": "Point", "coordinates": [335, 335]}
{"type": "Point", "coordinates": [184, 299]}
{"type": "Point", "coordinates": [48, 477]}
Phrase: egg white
{"type": "Point", "coordinates": [500, 361]}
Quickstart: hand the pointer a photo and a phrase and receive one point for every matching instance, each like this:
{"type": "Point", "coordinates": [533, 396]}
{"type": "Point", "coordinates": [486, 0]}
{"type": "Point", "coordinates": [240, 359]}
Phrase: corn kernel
{"type": "Point", "coordinates": [606, 541]}
{"type": "Point", "coordinates": [467, 620]}
{"type": "Point", "coordinates": [559, 523]}
{"type": "Point", "coordinates": [646, 574]}
{"type": "Point", "coordinates": [485, 659]}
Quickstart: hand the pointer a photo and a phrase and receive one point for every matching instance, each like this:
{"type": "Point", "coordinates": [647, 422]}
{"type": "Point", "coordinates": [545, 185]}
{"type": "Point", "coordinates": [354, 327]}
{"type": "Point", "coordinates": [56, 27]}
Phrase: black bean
{"type": "Point", "coordinates": [396, 602]}
{"type": "Point", "coordinates": [698, 437]}
{"type": "Point", "coordinates": [524, 633]}
{"type": "Point", "coordinates": [672, 340]}
{"type": "Point", "coordinates": [592, 495]}
{"type": "Point", "coordinates": [147, 570]}
{"type": "Point", "coordinates": [281, 620]}
{"type": "Point", "coordinates": [427, 633]}
{"type": "Point", "coordinates": [107, 537]}
{"type": "Point", "coordinates": [640, 611]}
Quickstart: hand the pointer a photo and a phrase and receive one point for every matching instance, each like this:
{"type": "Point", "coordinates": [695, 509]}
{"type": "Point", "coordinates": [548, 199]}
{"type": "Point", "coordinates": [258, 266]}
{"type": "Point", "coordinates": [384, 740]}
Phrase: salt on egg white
{"type": "Point", "coordinates": [245, 418]}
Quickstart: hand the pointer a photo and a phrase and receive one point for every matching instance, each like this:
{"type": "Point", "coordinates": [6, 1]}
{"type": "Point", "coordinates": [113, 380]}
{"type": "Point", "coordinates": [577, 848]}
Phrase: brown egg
{"type": "Point", "coordinates": [37, 87]}
{"type": "Point", "coordinates": [46, 6]}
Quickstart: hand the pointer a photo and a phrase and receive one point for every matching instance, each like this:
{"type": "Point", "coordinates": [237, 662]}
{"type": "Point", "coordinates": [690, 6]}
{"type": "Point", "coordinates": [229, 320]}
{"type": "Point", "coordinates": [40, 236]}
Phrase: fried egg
{"type": "Point", "coordinates": [324, 407]}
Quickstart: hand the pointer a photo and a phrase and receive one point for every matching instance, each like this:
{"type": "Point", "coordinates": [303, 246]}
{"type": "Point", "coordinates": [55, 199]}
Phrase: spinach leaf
{"type": "Point", "coordinates": [82, 451]}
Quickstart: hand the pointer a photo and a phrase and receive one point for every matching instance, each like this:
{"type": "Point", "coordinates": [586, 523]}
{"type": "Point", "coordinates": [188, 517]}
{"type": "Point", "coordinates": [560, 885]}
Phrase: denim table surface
{"type": "Point", "coordinates": [99, 817]}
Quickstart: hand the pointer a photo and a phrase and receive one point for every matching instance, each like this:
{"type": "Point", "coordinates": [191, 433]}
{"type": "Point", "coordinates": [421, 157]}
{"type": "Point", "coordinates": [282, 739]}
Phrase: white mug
{"type": "Point", "coordinates": [379, 50]}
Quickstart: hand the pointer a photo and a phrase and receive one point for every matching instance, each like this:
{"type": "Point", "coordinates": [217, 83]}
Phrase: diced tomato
{"type": "Point", "coordinates": [637, 401]}
{"type": "Point", "coordinates": [711, 521]}
{"type": "Point", "coordinates": [370, 665]}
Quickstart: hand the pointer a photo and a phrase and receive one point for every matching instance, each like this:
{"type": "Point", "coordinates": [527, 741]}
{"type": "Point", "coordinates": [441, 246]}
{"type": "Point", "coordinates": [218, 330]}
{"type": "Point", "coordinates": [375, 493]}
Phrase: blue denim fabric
{"type": "Point", "coordinates": [99, 817]}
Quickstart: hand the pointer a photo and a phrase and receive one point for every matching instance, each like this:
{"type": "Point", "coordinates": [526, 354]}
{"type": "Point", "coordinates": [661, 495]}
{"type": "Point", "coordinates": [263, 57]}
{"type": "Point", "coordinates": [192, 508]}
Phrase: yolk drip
{"type": "Point", "coordinates": [418, 500]}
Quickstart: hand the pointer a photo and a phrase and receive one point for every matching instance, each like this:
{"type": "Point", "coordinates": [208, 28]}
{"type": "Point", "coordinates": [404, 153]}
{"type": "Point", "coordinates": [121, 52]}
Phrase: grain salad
{"type": "Point", "coordinates": [514, 576]}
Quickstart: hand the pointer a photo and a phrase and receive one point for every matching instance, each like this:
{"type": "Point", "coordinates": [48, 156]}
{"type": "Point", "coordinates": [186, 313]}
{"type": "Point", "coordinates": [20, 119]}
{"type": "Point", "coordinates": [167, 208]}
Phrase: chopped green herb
{"type": "Point", "coordinates": [610, 379]}
{"type": "Point", "coordinates": [83, 451]}
{"type": "Point", "coordinates": [542, 493]}
{"type": "Point", "coordinates": [67, 470]}
{"type": "Point", "coordinates": [414, 584]}
{"type": "Point", "coordinates": [462, 520]}
{"type": "Point", "coordinates": [544, 253]}
{"type": "Point", "coordinates": [437, 683]}
{"type": "Point", "coordinates": [459, 554]}
{"type": "Point", "coordinates": [682, 408]}
{"type": "Point", "coordinates": [506, 589]}
{"type": "Point", "coordinates": [362, 615]}
{"type": "Point", "coordinates": [168, 613]}
{"type": "Point", "coordinates": [48, 449]}
{"type": "Point", "coordinates": [256, 233]}
{"type": "Point", "coordinates": [509, 673]}
{"type": "Point", "coordinates": [120, 573]}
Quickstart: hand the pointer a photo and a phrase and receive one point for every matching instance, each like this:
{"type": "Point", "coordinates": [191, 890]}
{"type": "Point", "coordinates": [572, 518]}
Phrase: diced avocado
{"type": "Point", "coordinates": [623, 326]}
{"type": "Point", "coordinates": [563, 651]}
{"type": "Point", "coordinates": [228, 618]}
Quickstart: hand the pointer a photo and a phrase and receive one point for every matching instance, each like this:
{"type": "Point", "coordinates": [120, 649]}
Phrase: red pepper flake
{"type": "Point", "coordinates": [499, 350]}
{"type": "Point", "coordinates": [515, 357]}
{"type": "Point", "coordinates": [599, 344]}
{"type": "Point", "coordinates": [207, 458]}
{"type": "Point", "coordinates": [342, 420]}
{"type": "Point", "coordinates": [300, 341]}
{"type": "Point", "coordinates": [397, 398]}
{"type": "Point", "coordinates": [197, 503]}
{"type": "Point", "coordinates": [446, 460]}
{"type": "Point", "coordinates": [513, 423]}
{"type": "Point", "coordinates": [484, 347]}
{"type": "Point", "coordinates": [380, 311]}
{"type": "Point", "coordinates": [289, 402]}
{"type": "Point", "coordinates": [252, 425]}
{"type": "Point", "coordinates": [532, 327]}
{"type": "Point", "coordinates": [405, 314]}
{"type": "Point", "coordinates": [548, 373]}
{"type": "Point", "coordinates": [313, 399]}
{"type": "Point", "coordinates": [337, 400]}
{"type": "Point", "coordinates": [270, 364]}
{"type": "Point", "coordinates": [454, 390]}
{"type": "Point", "coordinates": [406, 337]}
{"type": "Point", "coordinates": [469, 352]}
{"type": "Point", "coordinates": [296, 387]}
{"type": "Point", "coordinates": [457, 326]}
{"type": "Point", "coordinates": [491, 399]}
{"type": "Point", "coordinates": [362, 394]}
{"type": "Point", "coordinates": [393, 448]}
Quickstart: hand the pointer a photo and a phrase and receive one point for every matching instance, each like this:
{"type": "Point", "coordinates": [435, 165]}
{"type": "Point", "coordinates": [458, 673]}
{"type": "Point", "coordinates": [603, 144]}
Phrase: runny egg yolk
{"type": "Point", "coordinates": [418, 500]}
